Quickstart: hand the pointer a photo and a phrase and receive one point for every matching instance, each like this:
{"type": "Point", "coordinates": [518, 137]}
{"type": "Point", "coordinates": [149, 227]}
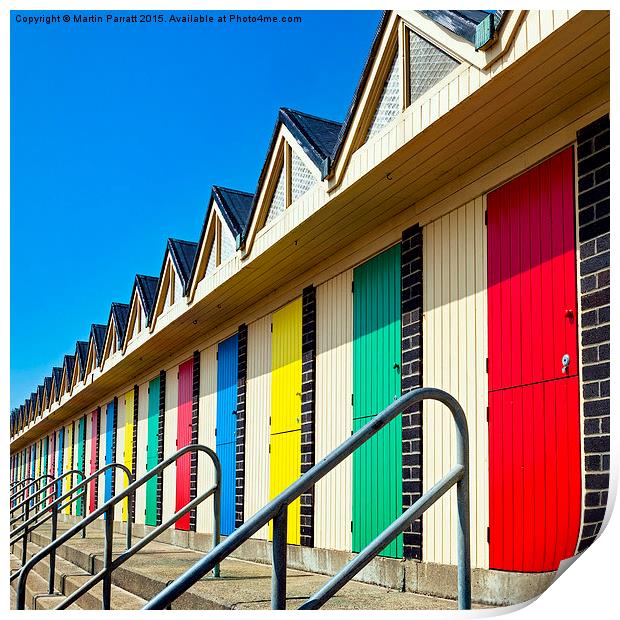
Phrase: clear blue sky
{"type": "Point", "coordinates": [118, 133]}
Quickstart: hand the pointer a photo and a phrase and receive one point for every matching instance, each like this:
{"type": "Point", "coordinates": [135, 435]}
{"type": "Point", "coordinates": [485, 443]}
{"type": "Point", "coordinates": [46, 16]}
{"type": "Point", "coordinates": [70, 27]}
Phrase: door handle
{"type": "Point", "coordinates": [565, 362]}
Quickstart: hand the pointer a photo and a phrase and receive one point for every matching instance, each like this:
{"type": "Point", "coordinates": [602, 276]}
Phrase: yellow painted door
{"type": "Point", "coordinates": [128, 446]}
{"type": "Point", "coordinates": [285, 430]}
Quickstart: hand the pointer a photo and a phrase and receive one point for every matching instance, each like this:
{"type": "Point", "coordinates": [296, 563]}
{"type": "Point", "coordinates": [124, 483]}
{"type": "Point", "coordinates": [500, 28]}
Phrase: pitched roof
{"type": "Point", "coordinates": [68, 364]}
{"type": "Point", "coordinates": [120, 312]}
{"type": "Point", "coordinates": [235, 206]}
{"type": "Point", "coordinates": [57, 378]}
{"type": "Point", "coordinates": [316, 136]}
{"type": "Point", "coordinates": [147, 289]}
{"type": "Point", "coordinates": [183, 254]}
{"type": "Point", "coordinates": [97, 333]}
{"type": "Point", "coordinates": [81, 353]}
{"type": "Point", "coordinates": [47, 386]}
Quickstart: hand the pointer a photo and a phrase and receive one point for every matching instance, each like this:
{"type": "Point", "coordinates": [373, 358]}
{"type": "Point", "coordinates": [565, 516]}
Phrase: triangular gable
{"type": "Point", "coordinates": [142, 299]}
{"type": "Point", "coordinates": [32, 408]}
{"type": "Point", "coordinates": [67, 374]}
{"type": "Point", "coordinates": [39, 402]}
{"type": "Point", "coordinates": [47, 389]}
{"type": "Point", "coordinates": [176, 270]}
{"type": "Point", "coordinates": [56, 381]}
{"type": "Point", "coordinates": [81, 355]}
{"type": "Point", "coordinates": [95, 347]}
{"type": "Point", "coordinates": [413, 52]}
{"type": "Point", "coordinates": [115, 333]}
{"type": "Point", "coordinates": [223, 229]}
{"type": "Point", "coordinates": [299, 156]}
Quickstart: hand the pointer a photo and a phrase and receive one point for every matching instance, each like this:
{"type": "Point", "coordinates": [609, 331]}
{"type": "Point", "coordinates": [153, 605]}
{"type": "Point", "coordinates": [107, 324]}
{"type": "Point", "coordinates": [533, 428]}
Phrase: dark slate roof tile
{"type": "Point", "coordinates": [97, 332]}
{"type": "Point", "coordinates": [147, 289]}
{"type": "Point", "coordinates": [183, 254]}
{"type": "Point", "coordinates": [120, 312]}
{"type": "Point", "coordinates": [316, 136]}
{"type": "Point", "coordinates": [68, 364]}
{"type": "Point", "coordinates": [81, 354]}
{"type": "Point", "coordinates": [47, 386]}
{"type": "Point", "coordinates": [57, 378]}
{"type": "Point", "coordinates": [235, 206]}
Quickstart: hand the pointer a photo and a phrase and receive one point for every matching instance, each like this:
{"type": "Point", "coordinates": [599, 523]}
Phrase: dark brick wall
{"type": "Point", "coordinates": [114, 428]}
{"type": "Point", "coordinates": [193, 480]}
{"type": "Point", "coordinates": [242, 371]}
{"type": "Point", "coordinates": [134, 445]}
{"type": "Point", "coordinates": [593, 208]}
{"type": "Point", "coordinates": [160, 445]}
{"type": "Point", "coordinates": [308, 375]}
{"type": "Point", "coordinates": [411, 377]}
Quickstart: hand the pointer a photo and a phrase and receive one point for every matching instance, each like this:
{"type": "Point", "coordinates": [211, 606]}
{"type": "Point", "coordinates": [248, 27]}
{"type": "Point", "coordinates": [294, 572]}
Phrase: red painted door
{"type": "Point", "coordinates": [534, 436]}
{"type": "Point", "coordinates": [184, 438]}
{"type": "Point", "coordinates": [94, 460]}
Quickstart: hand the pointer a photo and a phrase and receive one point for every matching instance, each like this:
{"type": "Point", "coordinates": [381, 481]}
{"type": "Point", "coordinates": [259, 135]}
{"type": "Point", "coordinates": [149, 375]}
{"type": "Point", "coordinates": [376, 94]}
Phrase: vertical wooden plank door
{"type": "Point", "coordinates": [150, 515]}
{"type": "Point", "coordinates": [377, 465]}
{"type": "Point", "coordinates": [184, 438]}
{"type": "Point", "coordinates": [60, 452]}
{"type": "Point", "coordinates": [285, 431]}
{"type": "Point", "coordinates": [80, 439]}
{"type": "Point", "coordinates": [534, 435]}
{"type": "Point", "coordinates": [226, 427]}
{"type": "Point", "coordinates": [127, 446]}
{"type": "Point", "coordinates": [109, 453]}
{"type": "Point", "coordinates": [69, 463]}
{"type": "Point", "coordinates": [94, 458]}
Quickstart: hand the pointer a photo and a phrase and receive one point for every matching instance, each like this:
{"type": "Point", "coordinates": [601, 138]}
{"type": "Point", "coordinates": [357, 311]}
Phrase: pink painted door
{"type": "Point", "coordinates": [184, 438]}
{"type": "Point", "coordinates": [94, 460]}
{"type": "Point", "coordinates": [534, 435]}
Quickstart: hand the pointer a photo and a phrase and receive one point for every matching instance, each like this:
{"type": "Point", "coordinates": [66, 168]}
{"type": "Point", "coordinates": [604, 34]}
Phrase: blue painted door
{"type": "Point", "coordinates": [60, 443]}
{"type": "Point", "coordinates": [109, 455]}
{"type": "Point", "coordinates": [226, 427]}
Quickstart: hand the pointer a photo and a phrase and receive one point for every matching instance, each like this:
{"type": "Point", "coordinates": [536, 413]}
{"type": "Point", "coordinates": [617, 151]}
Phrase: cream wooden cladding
{"type": "Point", "coordinates": [206, 434]}
{"type": "Point", "coordinates": [141, 442]}
{"type": "Point", "coordinates": [454, 358]}
{"type": "Point", "coordinates": [334, 418]}
{"type": "Point", "coordinates": [258, 407]}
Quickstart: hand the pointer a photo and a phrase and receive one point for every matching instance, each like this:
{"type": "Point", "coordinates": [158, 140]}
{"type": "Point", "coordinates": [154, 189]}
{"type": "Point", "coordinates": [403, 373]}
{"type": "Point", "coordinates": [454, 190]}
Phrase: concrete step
{"type": "Point", "coordinates": [243, 584]}
{"type": "Point", "coordinates": [68, 578]}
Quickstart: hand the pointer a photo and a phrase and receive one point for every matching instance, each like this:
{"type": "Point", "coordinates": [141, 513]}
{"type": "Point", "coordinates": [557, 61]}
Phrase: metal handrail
{"type": "Point", "coordinates": [109, 565]}
{"type": "Point", "coordinates": [34, 481]}
{"type": "Point", "coordinates": [276, 510]}
{"type": "Point", "coordinates": [20, 483]}
{"type": "Point", "coordinates": [30, 498]}
{"type": "Point", "coordinates": [21, 532]}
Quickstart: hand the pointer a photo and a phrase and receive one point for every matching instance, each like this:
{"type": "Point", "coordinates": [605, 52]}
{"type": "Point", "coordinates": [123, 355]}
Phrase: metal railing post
{"type": "Point", "coordinates": [84, 504]}
{"type": "Point", "coordinates": [25, 538]}
{"type": "Point", "coordinates": [107, 558]}
{"type": "Point", "coordinates": [216, 520]}
{"type": "Point", "coordinates": [54, 532]}
{"type": "Point", "coordinates": [130, 499]}
{"type": "Point", "coordinates": [278, 559]}
{"type": "Point", "coordinates": [462, 502]}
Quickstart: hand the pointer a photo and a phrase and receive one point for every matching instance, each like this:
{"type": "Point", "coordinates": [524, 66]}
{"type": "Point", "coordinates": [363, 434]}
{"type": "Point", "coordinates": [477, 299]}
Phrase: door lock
{"type": "Point", "coordinates": [565, 362]}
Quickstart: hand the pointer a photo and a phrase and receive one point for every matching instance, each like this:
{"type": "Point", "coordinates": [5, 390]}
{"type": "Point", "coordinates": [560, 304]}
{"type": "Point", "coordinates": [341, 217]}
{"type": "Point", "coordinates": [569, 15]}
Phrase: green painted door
{"type": "Point", "coordinates": [150, 517]}
{"type": "Point", "coordinates": [81, 438]}
{"type": "Point", "coordinates": [377, 465]}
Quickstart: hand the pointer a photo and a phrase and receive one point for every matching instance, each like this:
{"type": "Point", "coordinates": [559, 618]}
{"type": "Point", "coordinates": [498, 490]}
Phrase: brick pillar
{"type": "Point", "coordinates": [411, 378]}
{"type": "Point", "coordinates": [193, 480]}
{"type": "Point", "coordinates": [134, 445]}
{"type": "Point", "coordinates": [593, 234]}
{"type": "Point", "coordinates": [160, 445]}
{"type": "Point", "coordinates": [308, 355]}
{"type": "Point", "coordinates": [242, 371]}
